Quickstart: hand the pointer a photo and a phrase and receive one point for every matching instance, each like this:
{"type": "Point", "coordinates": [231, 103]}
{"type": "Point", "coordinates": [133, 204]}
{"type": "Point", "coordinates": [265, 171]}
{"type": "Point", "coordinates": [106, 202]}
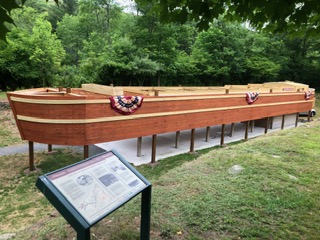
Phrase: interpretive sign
{"type": "Point", "coordinates": [86, 192]}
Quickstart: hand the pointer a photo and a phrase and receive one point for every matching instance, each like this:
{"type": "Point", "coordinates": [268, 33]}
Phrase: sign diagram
{"type": "Point", "coordinates": [98, 186]}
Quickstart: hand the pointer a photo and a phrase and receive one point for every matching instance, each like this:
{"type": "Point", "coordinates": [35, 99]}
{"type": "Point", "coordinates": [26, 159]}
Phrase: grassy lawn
{"type": "Point", "coordinates": [275, 196]}
{"type": "Point", "coordinates": [9, 134]}
{"type": "Point", "coordinates": [194, 196]}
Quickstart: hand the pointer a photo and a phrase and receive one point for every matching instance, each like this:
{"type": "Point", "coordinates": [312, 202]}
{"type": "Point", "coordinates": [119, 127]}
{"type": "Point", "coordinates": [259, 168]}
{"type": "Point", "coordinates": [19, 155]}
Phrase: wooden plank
{"type": "Point", "coordinates": [82, 134]}
{"type": "Point", "coordinates": [151, 115]}
{"type": "Point", "coordinates": [101, 89]}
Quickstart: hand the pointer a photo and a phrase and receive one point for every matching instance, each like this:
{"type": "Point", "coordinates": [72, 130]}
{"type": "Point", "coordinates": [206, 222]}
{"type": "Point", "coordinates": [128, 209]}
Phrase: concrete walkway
{"type": "Point", "coordinates": [165, 142]}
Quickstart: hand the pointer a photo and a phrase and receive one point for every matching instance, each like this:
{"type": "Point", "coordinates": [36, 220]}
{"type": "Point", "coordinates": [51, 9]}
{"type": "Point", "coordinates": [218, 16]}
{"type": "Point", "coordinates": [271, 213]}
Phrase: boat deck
{"type": "Point", "coordinates": [97, 114]}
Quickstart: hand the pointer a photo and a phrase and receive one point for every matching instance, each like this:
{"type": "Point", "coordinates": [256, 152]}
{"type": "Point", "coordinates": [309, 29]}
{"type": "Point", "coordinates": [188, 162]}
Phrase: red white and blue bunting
{"type": "Point", "coordinates": [252, 97]}
{"type": "Point", "coordinates": [307, 95]}
{"type": "Point", "coordinates": [126, 104]}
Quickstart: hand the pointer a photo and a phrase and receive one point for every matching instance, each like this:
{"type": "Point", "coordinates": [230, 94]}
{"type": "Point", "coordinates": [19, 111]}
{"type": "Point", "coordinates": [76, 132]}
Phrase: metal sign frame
{"type": "Point", "coordinates": [52, 185]}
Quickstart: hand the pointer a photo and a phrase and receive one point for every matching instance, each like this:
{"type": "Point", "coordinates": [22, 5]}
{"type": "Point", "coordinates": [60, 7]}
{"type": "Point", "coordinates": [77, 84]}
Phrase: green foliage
{"type": "Point", "coordinates": [33, 53]}
{"type": "Point", "coordinates": [104, 45]}
{"type": "Point", "coordinates": [277, 16]}
{"type": "Point", "coordinates": [193, 196]}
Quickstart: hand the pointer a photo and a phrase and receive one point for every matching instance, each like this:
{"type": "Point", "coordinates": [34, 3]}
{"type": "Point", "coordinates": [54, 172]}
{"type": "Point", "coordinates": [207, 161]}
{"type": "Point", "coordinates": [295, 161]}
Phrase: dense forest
{"type": "Point", "coordinates": [96, 41]}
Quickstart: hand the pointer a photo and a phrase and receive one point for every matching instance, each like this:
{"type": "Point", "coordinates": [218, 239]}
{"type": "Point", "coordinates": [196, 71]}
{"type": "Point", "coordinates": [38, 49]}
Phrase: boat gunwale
{"type": "Point", "coordinates": [150, 115]}
{"type": "Point", "coordinates": [40, 100]}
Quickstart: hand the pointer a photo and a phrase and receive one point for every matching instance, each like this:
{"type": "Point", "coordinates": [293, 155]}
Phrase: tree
{"type": "Point", "coordinates": [265, 56]}
{"type": "Point", "coordinates": [273, 15]}
{"type": "Point", "coordinates": [47, 53]}
{"type": "Point", "coordinates": [32, 54]}
{"type": "Point", "coordinates": [72, 35]}
{"type": "Point", "coordinates": [304, 61]}
{"type": "Point", "coordinates": [219, 53]}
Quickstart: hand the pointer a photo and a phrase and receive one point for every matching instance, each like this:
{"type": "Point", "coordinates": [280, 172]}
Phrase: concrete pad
{"type": "Point", "coordinates": [166, 142]}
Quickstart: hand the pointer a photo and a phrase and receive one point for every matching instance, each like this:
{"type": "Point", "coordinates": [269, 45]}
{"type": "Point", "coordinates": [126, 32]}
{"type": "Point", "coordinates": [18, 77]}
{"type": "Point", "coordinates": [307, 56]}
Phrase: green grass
{"type": "Point", "coordinates": [276, 196]}
{"type": "Point", "coordinates": [9, 134]}
{"type": "Point", "coordinates": [194, 196]}
{"type": "Point", "coordinates": [3, 96]}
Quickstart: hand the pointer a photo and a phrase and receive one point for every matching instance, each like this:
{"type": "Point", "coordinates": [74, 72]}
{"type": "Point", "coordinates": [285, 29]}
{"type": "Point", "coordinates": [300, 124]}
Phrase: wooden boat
{"type": "Point", "coordinates": [85, 116]}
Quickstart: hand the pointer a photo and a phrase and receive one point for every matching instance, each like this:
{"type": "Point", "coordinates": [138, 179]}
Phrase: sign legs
{"type": "Point", "coordinates": [145, 214]}
{"type": "Point", "coordinates": [83, 235]}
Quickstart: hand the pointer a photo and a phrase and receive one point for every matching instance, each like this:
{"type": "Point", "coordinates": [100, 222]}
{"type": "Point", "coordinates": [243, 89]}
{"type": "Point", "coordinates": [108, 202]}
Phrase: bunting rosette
{"type": "Point", "coordinates": [307, 95]}
{"type": "Point", "coordinates": [251, 97]}
{"type": "Point", "coordinates": [126, 104]}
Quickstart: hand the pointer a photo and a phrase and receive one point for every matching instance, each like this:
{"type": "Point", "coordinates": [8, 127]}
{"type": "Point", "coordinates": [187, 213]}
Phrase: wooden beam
{"type": "Point", "coordinates": [297, 119]}
{"type": "Point", "coordinates": [271, 123]}
{"type": "Point", "coordinates": [154, 148]}
{"type": "Point", "coordinates": [222, 134]}
{"type": "Point", "coordinates": [177, 139]}
{"type": "Point", "coordinates": [141, 116]}
{"type": "Point", "coordinates": [139, 144]}
{"type": "Point", "coordinates": [309, 115]}
{"type": "Point", "coordinates": [282, 122]}
{"type": "Point", "coordinates": [192, 140]}
{"type": "Point", "coordinates": [85, 151]}
{"type": "Point", "coordinates": [251, 126]}
{"type": "Point", "coordinates": [266, 126]}
{"type": "Point", "coordinates": [247, 130]}
{"type": "Point", "coordinates": [31, 156]}
{"type": "Point", "coordinates": [207, 134]}
{"type": "Point", "coordinates": [101, 89]}
{"type": "Point", "coordinates": [231, 130]}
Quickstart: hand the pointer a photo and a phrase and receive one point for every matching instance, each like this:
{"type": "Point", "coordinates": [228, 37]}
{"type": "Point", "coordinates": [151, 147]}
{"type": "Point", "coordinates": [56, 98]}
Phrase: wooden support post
{"type": "Point", "coordinates": [309, 115]}
{"type": "Point", "coordinates": [266, 126]}
{"type": "Point", "coordinates": [231, 130]}
{"type": "Point", "coordinates": [31, 156]}
{"type": "Point", "coordinates": [154, 148]}
{"type": "Point", "coordinates": [207, 134]}
{"type": "Point", "coordinates": [222, 134]}
{"type": "Point", "coordinates": [192, 140]}
{"type": "Point", "coordinates": [85, 151]}
{"type": "Point", "coordinates": [297, 119]}
{"type": "Point", "coordinates": [156, 93]}
{"type": "Point", "coordinates": [49, 148]}
{"type": "Point", "coordinates": [246, 131]}
{"type": "Point", "coordinates": [282, 122]}
{"type": "Point", "coordinates": [139, 144]}
{"type": "Point", "coordinates": [177, 139]}
{"type": "Point", "coordinates": [271, 122]}
{"type": "Point", "coordinates": [227, 91]}
{"type": "Point", "coordinates": [251, 126]}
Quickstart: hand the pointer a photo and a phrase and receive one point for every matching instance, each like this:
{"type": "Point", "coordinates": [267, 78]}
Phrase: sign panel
{"type": "Point", "coordinates": [98, 186]}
